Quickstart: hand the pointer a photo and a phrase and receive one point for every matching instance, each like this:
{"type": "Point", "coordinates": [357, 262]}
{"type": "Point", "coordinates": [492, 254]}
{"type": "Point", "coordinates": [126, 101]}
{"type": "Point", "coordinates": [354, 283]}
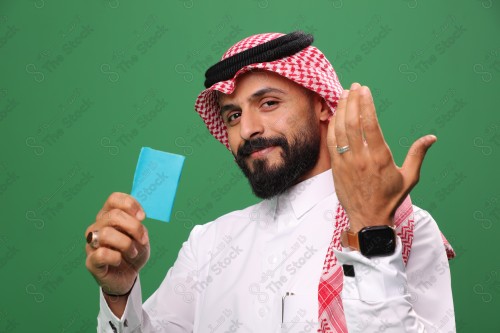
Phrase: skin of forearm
{"type": "Point", "coordinates": [116, 304]}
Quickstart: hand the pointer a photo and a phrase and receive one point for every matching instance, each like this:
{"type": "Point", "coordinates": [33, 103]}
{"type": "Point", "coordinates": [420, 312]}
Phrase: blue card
{"type": "Point", "coordinates": [155, 182]}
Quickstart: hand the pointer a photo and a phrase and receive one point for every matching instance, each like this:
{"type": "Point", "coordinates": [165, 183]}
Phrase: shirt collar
{"type": "Point", "coordinates": [306, 194]}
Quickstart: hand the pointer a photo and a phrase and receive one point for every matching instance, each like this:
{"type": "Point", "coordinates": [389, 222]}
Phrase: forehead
{"type": "Point", "coordinates": [248, 83]}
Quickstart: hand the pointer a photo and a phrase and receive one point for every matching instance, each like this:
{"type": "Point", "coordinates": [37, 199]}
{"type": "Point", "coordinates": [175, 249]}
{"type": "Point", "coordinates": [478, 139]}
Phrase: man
{"type": "Point", "coordinates": [320, 252]}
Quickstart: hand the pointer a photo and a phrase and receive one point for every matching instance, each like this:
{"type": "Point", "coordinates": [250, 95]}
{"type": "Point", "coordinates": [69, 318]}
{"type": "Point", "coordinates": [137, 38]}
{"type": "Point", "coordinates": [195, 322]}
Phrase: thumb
{"type": "Point", "coordinates": [414, 159]}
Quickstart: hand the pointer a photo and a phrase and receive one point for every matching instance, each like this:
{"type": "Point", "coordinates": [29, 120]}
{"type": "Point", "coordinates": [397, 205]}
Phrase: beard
{"type": "Point", "coordinates": [298, 156]}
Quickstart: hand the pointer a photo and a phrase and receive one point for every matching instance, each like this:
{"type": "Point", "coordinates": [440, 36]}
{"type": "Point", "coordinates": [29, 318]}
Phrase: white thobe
{"type": "Point", "coordinates": [258, 269]}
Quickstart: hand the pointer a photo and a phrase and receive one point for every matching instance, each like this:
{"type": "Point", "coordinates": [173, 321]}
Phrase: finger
{"type": "Point", "coordinates": [352, 120]}
{"type": "Point", "coordinates": [330, 134]}
{"type": "Point", "coordinates": [414, 159]}
{"type": "Point", "coordinates": [369, 120]}
{"type": "Point", "coordinates": [331, 141]}
{"type": "Point", "coordinates": [125, 202]}
{"type": "Point", "coordinates": [98, 261]}
{"type": "Point", "coordinates": [339, 126]}
{"type": "Point", "coordinates": [122, 221]}
{"type": "Point", "coordinates": [116, 240]}
{"type": "Point", "coordinates": [371, 128]}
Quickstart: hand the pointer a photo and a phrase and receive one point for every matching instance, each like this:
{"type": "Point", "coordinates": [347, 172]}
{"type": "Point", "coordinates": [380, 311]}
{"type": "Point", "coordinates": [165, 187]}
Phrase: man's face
{"type": "Point", "coordinates": [272, 129]}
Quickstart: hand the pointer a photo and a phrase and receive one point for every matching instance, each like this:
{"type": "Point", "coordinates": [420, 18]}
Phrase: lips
{"type": "Point", "coordinates": [262, 152]}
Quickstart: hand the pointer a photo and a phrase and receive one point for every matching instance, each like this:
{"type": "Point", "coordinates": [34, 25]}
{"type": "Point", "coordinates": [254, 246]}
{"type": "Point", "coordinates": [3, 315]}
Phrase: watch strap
{"type": "Point", "coordinates": [349, 239]}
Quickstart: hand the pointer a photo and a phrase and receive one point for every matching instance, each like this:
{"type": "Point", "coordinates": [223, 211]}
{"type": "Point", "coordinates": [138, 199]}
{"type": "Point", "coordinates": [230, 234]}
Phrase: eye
{"type": "Point", "coordinates": [233, 116]}
{"type": "Point", "coordinates": [270, 103]}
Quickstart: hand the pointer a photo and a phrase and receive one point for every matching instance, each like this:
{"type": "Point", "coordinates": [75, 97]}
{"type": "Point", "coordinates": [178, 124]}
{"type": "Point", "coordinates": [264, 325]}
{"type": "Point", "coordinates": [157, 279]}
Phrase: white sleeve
{"type": "Point", "coordinates": [170, 309]}
{"type": "Point", "coordinates": [385, 296]}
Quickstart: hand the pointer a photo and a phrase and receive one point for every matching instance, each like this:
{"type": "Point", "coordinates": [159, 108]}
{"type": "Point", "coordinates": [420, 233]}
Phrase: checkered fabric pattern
{"type": "Point", "coordinates": [311, 69]}
{"type": "Point", "coordinates": [331, 312]}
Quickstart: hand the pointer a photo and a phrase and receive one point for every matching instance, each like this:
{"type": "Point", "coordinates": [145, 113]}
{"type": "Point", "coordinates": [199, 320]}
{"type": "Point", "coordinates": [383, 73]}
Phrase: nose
{"type": "Point", "coordinates": [251, 125]}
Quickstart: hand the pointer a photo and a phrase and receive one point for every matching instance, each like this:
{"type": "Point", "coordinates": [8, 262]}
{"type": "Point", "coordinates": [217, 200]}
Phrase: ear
{"type": "Point", "coordinates": [323, 108]}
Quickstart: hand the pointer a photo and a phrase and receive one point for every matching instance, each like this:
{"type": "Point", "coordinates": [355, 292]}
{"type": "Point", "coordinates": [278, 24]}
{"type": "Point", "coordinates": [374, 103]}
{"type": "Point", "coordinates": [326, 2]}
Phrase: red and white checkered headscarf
{"type": "Point", "coordinates": [308, 67]}
{"type": "Point", "coordinates": [312, 70]}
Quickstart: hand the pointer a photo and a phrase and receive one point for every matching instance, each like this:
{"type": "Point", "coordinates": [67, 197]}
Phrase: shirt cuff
{"type": "Point", "coordinates": [131, 318]}
{"type": "Point", "coordinates": [375, 279]}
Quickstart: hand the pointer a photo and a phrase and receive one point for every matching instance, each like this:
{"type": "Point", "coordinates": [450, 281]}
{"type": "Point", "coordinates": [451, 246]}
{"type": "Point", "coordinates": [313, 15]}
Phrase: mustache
{"type": "Point", "coordinates": [251, 146]}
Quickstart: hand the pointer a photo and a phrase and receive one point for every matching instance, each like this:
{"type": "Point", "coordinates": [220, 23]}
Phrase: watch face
{"type": "Point", "coordinates": [377, 241]}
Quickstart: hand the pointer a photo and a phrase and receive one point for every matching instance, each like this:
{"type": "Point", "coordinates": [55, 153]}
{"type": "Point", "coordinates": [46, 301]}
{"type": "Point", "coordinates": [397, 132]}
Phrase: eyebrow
{"type": "Point", "coordinates": [255, 95]}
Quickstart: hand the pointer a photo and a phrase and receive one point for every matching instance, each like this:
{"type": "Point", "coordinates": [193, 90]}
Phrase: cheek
{"type": "Point", "coordinates": [233, 141]}
{"type": "Point", "coordinates": [286, 125]}
{"type": "Point", "coordinates": [288, 118]}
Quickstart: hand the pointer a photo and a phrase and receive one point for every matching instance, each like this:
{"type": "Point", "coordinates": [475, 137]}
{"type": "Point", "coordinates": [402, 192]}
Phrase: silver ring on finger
{"type": "Point", "coordinates": [93, 239]}
{"type": "Point", "coordinates": [343, 149]}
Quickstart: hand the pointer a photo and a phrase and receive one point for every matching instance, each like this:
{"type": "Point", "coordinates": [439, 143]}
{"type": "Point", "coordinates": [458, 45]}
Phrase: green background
{"type": "Point", "coordinates": [85, 84]}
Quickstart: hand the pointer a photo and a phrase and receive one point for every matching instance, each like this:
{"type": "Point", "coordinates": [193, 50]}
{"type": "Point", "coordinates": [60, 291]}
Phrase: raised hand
{"type": "Point", "coordinates": [369, 184]}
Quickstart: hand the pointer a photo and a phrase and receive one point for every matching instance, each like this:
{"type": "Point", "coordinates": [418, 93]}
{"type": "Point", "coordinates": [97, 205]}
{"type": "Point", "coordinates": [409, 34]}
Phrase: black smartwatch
{"type": "Point", "coordinates": [373, 241]}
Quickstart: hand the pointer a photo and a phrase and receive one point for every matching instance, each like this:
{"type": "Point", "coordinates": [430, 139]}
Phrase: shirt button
{"type": "Point", "coordinates": [263, 312]}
